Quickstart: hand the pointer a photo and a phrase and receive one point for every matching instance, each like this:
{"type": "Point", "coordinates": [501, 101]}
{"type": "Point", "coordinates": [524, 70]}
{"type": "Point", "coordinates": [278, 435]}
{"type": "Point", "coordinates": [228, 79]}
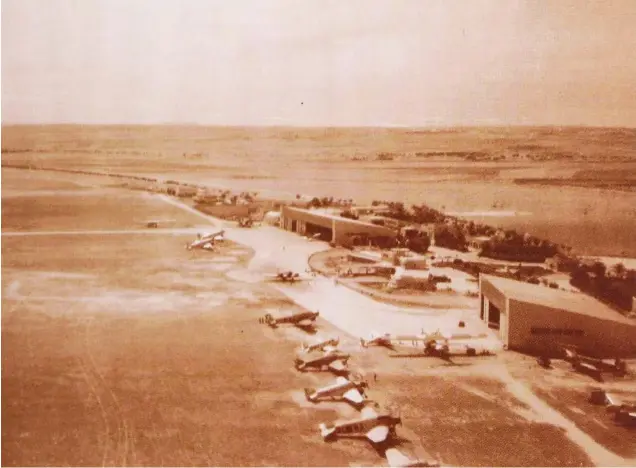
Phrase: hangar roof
{"type": "Point", "coordinates": [578, 303]}
{"type": "Point", "coordinates": [320, 214]}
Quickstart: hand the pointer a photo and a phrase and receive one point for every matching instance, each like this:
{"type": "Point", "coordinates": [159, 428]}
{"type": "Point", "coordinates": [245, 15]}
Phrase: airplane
{"type": "Point", "coordinates": [595, 366]}
{"type": "Point", "coordinates": [245, 222]}
{"type": "Point", "coordinates": [398, 459]}
{"type": "Point", "coordinates": [288, 277]}
{"type": "Point", "coordinates": [301, 319]}
{"type": "Point", "coordinates": [377, 427]}
{"type": "Point", "coordinates": [626, 417]}
{"type": "Point", "coordinates": [335, 361]}
{"type": "Point", "coordinates": [330, 343]}
{"type": "Point", "coordinates": [341, 389]}
{"type": "Point", "coordinates": [624, 413]}
{"type": "Point", "coordinates": [436, 343]}
{"type": "Point", "coordinates": [206, 241]}
{"type": "Point", "coordinates": [391, 341]}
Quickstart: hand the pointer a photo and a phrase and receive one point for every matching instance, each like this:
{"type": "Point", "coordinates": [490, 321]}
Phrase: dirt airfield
{"type": "Point", "coordinates": [128, 350]}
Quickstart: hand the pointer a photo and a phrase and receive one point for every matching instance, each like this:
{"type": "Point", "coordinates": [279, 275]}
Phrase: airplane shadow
{"type": "Point", "coordinates": [308, 330]}
{"type": "Point", "coordinates": [445, 361]}
{"type": "Point", "coordinates": [343, 373]}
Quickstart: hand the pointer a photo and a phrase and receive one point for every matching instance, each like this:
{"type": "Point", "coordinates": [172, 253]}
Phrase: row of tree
{"type": "Point", "coordinates": [616, 285]}
{"type": "Point", "coordinates": [452, 232]}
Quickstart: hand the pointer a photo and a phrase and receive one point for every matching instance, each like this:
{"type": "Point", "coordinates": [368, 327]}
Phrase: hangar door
{"type": "Point", "coordinates": [496, 318]}
{"type": "Point", "coordinates": [321, 232]}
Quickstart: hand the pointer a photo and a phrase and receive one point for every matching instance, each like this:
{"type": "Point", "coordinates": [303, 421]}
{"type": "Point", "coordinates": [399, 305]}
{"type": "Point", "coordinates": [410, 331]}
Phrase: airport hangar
{"type": "Point", "coordinates": [541, 320]}
{"type": "Point", "coordinates": [332, 228]}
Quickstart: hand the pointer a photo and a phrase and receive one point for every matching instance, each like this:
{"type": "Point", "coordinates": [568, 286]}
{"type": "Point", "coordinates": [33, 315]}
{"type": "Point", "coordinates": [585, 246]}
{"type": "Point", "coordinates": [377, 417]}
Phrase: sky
{"type": "Point", "coordinates": [320, 62]}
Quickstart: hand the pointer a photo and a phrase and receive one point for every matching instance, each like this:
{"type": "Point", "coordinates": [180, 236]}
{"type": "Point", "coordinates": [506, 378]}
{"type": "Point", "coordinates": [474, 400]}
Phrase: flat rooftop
{"type": "Point", "coordinates": [578, 303]}
{"type": "Point", "coordinates": [326, 215]}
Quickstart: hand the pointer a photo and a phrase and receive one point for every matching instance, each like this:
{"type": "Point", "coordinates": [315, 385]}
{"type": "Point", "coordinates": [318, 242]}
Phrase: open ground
{"type": "Point", "coordinates": [123, 349]}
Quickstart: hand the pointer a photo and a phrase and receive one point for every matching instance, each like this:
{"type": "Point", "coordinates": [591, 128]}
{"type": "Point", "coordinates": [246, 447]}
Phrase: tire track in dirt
{"type": "Point", "coordinates": [599, 455]}
{"type": "Point", "coordinates": [125, 439]}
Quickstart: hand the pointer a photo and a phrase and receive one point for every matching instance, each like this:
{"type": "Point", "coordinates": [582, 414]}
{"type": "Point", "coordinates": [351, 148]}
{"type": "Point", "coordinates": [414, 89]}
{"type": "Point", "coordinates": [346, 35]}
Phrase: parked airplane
{"type": "Point", "coordinates": [377, 427]}
{"type": "Point", "coordinates": [624, 413]}
{"type": "Point", "coordinates": [391, 341]}
{"type": "Point", "coordinates": [334, 361]}
{"type": "Point", "coordinates": [398, 459]}
{"type": "Point", "coordinates": [592, 365]}
{"type": "Point", "coordinates": [341, 389]}
{"type": "Point", "coordinates": [436, 343]}
{"type": "Point", "coordinates": [626, 417]}
{"type": "Point", "coordinates": [330, 343]}
{"type": "Point", "coordinates": [245, 222]}
{"type": "Point", "coordinates": [288, 277]}
{"type": "Point", "coordinates": [206, 241]}
{"type": "Point", "coordinates": [301, 319]}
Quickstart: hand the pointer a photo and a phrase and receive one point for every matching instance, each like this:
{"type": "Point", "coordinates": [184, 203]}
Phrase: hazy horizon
{"type": "Point", "coordinates": [341, 64]}
{"type": "Point", "coordinates": [344, 127]}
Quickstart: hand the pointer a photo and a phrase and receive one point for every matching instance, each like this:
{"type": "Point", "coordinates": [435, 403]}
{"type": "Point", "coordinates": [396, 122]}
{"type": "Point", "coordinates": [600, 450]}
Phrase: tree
{"type": "Point", "coordinates": [619, 270]}
{"type": "Point", "coordinates": [348, 214]}
{"type": "Point", "coordinates": [599, 269]}
{"type": "Point", "coordinates": [419, 244]}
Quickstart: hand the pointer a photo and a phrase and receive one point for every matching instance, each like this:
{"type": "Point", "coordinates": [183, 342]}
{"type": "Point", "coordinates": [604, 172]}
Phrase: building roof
{"type": "Point", "coordinates": [577, 303]}
{"type": "Point", "coordinates": [330, 216]}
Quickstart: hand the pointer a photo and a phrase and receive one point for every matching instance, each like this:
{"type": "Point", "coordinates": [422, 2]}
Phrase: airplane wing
{"type": "Point", "coordinates": [368, 412]}
{"type": "Point", "coordinates": [378, 434]}
{"type": "Point", "coordinates": [305, 323]}
{"type": "Point", "coordinates": [337, 366]}
{"type": "Point", "coordinates": [341, 380]}
{"type": "Point", "coordinates": [353, 396]}
{"type": "Point", "coordinates": [397, 458]}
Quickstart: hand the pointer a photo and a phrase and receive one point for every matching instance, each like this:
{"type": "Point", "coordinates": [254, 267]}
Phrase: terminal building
{"type": "Point", "coordinates": [541, 320]}
{"type": "Point", "coordinates": [333, 228]}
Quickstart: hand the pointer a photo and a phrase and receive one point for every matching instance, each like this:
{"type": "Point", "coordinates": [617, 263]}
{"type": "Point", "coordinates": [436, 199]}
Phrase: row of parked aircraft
{"type": "Point", "coordinates": [375, 424]}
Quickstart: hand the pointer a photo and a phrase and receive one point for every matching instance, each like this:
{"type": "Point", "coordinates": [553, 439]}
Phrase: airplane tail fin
{"type": "Point", "coordinates": [267, 319]}
{"type": "Point", "coordinates": [363, 342]}
{"type": "Point", "coordinates": [326, 432]}
{"type": "Point", "coordinates": [308, 393]}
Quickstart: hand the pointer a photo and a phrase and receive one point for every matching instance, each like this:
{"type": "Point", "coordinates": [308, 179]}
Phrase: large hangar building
{"type": "Point", "coordinates": [538, 319]}
{"type": "Point", "coordinates": [332, 228]}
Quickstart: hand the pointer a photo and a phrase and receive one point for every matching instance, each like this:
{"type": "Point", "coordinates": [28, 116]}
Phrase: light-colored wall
{"type": "Point", "coordinates": [494, 295]}
{"type": "Point", "coordinates": [605, 336]}
{"type": "Point", "coordinates": [342, 227]}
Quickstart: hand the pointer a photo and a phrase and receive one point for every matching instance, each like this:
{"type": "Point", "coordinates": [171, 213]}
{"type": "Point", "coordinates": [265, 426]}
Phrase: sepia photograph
{"type": "Point", "coordinates": [318, 233]}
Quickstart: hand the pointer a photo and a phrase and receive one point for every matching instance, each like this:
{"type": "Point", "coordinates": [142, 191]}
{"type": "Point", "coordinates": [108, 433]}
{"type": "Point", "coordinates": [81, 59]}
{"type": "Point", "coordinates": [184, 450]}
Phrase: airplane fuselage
{"type": "Point", "coordinates": [321, 361]}
{"type": "Point", "coordinates": [321, 346]}
{"type": "Point", "coordinates": [359, 427]}
{"type": "Point", "coordinates": [296, 319]}
{"type": "Point", "coordinates": [334, 391]}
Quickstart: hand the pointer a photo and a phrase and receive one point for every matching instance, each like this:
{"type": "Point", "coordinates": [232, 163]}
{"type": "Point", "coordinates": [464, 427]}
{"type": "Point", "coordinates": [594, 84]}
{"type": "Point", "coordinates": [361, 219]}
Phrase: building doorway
{"type": "Point", "coordinates": [494, 316]}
